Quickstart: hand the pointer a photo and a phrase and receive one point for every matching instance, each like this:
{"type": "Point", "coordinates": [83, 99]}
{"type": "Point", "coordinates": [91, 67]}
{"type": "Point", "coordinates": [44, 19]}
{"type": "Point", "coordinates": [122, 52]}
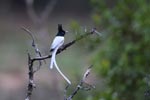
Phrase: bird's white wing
{"type": "Point", "coordinates": [56, 44]}
{"type": "Point", "coordinates": [57, 41]}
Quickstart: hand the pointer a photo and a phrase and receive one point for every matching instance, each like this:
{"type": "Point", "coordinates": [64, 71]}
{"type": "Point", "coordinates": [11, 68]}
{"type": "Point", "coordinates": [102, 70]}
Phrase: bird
{"type": "Point", "coordinates": [56, 44]}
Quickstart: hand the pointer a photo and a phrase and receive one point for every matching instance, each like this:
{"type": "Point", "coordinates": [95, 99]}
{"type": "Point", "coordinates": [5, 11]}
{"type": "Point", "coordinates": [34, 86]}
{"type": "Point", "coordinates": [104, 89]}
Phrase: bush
{"type": "Point", "coordinates": [124, 56]}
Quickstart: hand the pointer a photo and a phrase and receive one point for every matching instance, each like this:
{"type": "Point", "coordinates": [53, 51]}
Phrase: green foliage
{"type": "Point", "coordinates": [124, 58]}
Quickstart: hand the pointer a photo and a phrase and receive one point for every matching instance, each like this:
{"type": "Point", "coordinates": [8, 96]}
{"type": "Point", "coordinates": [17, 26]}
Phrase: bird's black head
{"type": "Point", "coordinates": [61, 32]}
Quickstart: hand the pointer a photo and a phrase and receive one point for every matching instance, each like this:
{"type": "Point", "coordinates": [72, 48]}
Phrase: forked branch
{"type": "Point", "coordinates": [82, 85]}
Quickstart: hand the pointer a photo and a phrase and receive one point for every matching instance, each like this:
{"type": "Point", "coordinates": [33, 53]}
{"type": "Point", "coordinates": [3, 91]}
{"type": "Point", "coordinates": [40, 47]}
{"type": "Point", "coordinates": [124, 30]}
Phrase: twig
{"type": "Point", "coordinates": [30, 33]}
{"type": "Point", "coordinates": [31, 84]}
{"type": "Point", "coordinates": [65, 91]}
{"type": "Point", "coordinates": [35, 46]}
{"type": "Point", "coordinates": [81, 84]}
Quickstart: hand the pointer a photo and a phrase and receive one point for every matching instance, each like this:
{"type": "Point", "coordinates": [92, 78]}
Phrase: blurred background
{"type": "Point", "coordinates": [121, 56]}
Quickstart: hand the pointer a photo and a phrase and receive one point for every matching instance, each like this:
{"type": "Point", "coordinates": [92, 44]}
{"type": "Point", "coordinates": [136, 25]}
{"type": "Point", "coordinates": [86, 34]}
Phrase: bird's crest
{"type": "Point", "coordinates": [60, 27]}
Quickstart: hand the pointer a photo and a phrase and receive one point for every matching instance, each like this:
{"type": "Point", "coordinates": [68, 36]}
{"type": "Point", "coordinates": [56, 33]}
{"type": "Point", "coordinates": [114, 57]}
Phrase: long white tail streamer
{"type": "Point", "coordinates": [53, 58]}
{"type": "Point", "coordinates": [61, 72]}
{"type": "Point", "coordinates": [53, 61]}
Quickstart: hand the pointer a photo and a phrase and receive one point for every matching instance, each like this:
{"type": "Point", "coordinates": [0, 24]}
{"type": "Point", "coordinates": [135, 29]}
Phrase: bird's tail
{"type": "Point", "coordinates": [61, 72]}
{"type": "Point", "coordinates": [53, 58]}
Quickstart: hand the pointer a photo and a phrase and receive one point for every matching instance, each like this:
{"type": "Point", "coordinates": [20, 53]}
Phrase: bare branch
{"type": "Point", "coordinates": [81, 85]}
{"type": "Point", "coordinates": [100, 34]}
{"type": "Point", "coordinates": [35, 46]}
{"type": "Point", "coordinates": [65, 91]}
{"type": "Point", "coordinates": [31, 84]}
{"type": "Point", "coordinates": [87, 73]}
{"type": "Point", "coordinates": [30, 33]}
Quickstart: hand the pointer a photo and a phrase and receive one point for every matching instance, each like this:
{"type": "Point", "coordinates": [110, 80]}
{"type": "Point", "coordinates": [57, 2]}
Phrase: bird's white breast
{"type": "Point", "coordinates": [58, 40]}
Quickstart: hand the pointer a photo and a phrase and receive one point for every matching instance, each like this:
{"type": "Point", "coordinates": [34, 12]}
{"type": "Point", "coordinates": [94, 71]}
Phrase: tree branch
{"type": "Point", "coordinates": [81, 85]}
{"type": "Point", "coordinates": [35, 46]}
{"type": "Point", "coordinates": [31, 84]}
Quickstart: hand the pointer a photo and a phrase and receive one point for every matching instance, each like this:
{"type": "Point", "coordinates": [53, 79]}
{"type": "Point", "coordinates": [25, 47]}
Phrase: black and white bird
{"type": "Point", "coordinates": [56, 44]}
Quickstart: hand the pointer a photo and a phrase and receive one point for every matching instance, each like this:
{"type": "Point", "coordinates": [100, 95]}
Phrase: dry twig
{"type": "Point", "coordinates": [35, 46]}
{"type": "Point", "coordinates": [82, 85]}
